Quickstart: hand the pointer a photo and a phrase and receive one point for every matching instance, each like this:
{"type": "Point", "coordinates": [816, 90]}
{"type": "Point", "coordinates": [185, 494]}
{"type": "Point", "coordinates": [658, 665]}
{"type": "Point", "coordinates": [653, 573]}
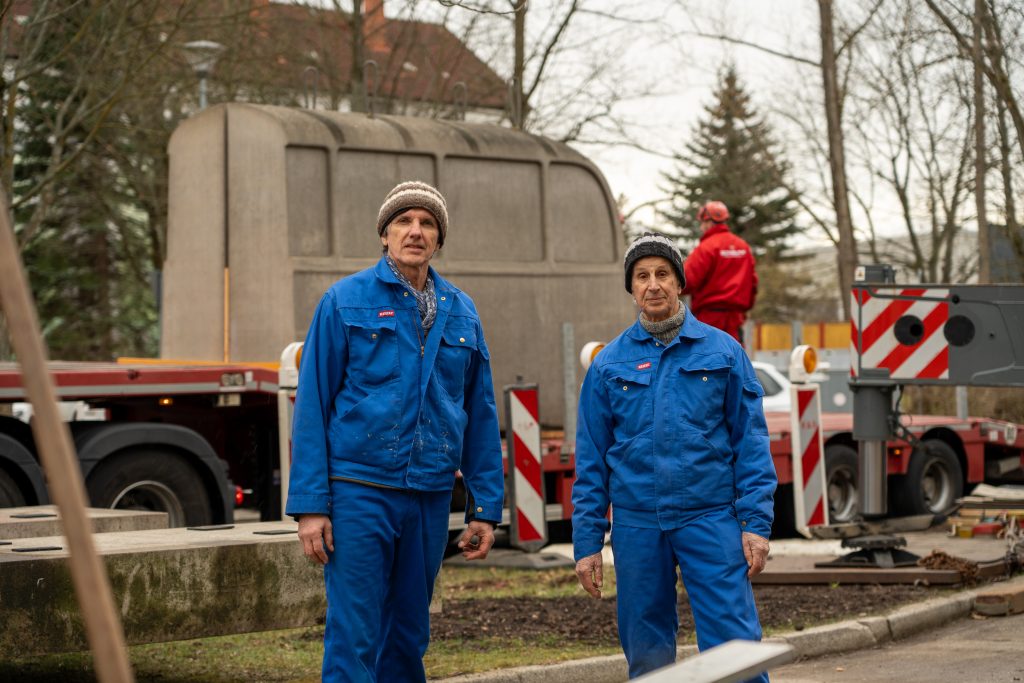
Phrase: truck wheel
{"type": "Point", "coordinates": [933, 482]}
{"type": "Point", "coordinates": [841, 483]}
{"type": "Point", "coordinates": [158, 481]}
{"type": "Point", "coordinates": [10, 495]}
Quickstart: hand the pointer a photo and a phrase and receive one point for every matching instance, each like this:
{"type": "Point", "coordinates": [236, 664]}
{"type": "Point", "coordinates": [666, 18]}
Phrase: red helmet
{"type": "Point", "coordinates": [713, 211]}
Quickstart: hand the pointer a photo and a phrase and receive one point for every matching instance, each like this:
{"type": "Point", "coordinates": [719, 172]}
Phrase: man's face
{"type": "Point", "coordinates": [411, 238]}
{"type": "Point", "coordinates": [656, 288]}
{"type": "Point", "coordinates": [704, 225]}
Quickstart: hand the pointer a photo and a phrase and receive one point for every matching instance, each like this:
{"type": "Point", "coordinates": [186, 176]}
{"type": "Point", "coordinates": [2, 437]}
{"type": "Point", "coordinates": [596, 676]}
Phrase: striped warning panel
{"type": "Point", "coordinates": [900, 330]}
{"type": "Point", "coordinates": [526, 492]}
{"type": "Point", "coordinates": [809, 488]}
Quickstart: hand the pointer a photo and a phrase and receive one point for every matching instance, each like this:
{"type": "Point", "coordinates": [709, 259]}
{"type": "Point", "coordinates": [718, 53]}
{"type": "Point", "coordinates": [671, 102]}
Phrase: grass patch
{"type": "Point", "coordinates": [295, 654]}
{"type": "Point", "coordinates": [455, 657]}
{"type": "Point", "coordinates": [288, 655]}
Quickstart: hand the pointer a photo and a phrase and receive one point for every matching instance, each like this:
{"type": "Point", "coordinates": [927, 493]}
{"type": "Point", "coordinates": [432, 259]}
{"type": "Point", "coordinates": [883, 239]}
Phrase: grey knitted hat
{"type": "Point", "coordinates": [414, 195]}
{"type": "Point", "coordinates": [652, 244]}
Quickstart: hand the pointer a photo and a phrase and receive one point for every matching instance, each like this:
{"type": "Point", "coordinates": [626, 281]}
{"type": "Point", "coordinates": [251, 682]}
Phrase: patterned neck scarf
{"type": "Point", "coordinates": [667, 329]}
{"type": "Point", "coordinates": [426, 301]}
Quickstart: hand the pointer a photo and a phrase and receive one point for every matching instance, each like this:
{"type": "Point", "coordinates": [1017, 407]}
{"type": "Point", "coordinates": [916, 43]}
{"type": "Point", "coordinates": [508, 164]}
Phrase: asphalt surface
{"type": "Point", "coordinates": [978, 650]}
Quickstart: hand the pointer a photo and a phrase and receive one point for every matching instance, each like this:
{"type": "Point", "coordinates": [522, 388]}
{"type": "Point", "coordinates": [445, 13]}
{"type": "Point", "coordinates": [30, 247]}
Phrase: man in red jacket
{"type": "Point", "coordinates": [720, 275]}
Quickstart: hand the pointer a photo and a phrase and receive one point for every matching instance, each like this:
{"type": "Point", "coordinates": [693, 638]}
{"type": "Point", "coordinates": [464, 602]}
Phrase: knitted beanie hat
{"type": "Point", "coordinates": [652, 244]}
{"type": "Point", "coordinates": [414, 195]}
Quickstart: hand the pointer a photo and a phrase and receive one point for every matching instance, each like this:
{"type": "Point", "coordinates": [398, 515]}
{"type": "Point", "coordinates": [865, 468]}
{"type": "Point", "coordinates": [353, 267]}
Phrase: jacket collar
{"type": "Point", "coordinates": [715, 229]}
{"type": "Point", "coordinates": [691, 329]}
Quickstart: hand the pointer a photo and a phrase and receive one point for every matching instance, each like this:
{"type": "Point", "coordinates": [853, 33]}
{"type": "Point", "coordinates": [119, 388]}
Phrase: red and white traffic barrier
{"type": "Point", "coordinates": [526, 477]}
{"type": "Point", "coordinates": [809, 481]}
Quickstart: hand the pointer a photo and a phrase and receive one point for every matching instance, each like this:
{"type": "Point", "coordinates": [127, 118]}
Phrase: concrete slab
{"type": "Point", "coordinates": [169, 584]}
{"type": "Point", "coordinates": [44, 520]}
{"type": "Point", "coordinates": [515, 559]}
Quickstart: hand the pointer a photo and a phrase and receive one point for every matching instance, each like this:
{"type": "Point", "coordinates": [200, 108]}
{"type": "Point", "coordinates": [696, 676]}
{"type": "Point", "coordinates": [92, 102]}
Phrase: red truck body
{"type": "Point", "coordinates": [205, 414]}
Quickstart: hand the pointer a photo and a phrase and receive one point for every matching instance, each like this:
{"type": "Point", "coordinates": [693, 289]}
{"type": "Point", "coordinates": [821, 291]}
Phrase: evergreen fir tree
{"type": "Point", "coordinates": [80, 238]}
{"type": "Point", "coordinates": [733, 159]}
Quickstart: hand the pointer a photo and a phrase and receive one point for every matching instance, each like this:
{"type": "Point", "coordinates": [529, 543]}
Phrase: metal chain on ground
{"type": "Point", "coordinates": [940, 559]}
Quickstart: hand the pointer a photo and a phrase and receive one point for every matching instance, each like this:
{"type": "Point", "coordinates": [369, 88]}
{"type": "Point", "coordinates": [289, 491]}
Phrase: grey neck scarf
{"type": "Point", "coordinates": [665, 330]}
{"type": "Point", "coordinates": [426, 301]}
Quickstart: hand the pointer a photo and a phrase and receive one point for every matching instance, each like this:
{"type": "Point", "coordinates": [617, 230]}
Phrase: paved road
{"type": "Point", "coordinates": [975, 650]}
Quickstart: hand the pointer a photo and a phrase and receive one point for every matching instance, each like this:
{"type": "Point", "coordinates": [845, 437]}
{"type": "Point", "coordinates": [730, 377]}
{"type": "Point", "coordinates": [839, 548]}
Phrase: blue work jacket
{"type": "Point", "coordinates": [666, 432]}
{"type": "Point", "coordinates": [379, 403]}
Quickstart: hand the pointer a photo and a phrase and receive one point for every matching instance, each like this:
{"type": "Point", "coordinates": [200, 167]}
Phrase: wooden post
{"type": "Point", "coordinates": [64, 478]}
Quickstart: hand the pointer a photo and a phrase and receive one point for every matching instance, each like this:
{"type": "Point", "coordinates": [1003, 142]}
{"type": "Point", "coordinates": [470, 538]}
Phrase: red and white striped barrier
{"type": "Point", "coordinates": [525, 478]}
{"type": "Point", "coordinates": [900, 330]}
{"type": "Point", "coordinates": [809, 481]}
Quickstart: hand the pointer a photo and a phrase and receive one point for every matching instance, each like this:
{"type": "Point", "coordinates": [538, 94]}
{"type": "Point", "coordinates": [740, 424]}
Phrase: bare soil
{"type": "Point", "coordinates": [583, 619]}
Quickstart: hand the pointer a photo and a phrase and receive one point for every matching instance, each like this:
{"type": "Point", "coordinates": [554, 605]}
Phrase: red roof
{"type": "Point", "coordinates": [416, 60]}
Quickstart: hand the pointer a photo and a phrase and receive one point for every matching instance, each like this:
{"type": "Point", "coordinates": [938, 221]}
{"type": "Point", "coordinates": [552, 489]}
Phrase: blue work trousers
{"type": "Point", "coordinates": [388, 547]}
{"type": "Point", "coordinates": [709, 553]}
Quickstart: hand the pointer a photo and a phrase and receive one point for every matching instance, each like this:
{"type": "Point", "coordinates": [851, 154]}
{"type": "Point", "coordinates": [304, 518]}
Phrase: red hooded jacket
{"type": "Point", "coordinates": [720, 272]}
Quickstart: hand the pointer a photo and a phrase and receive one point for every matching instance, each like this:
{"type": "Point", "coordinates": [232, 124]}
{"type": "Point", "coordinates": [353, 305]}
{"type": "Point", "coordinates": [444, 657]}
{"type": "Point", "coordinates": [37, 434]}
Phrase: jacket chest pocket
{"type": "Point", "coordinates": [702, 383]}
{"type": "Point", "coordinates": [372, 351]}
{"type": "Point", "coordinates": [629, 395]}
{"type": "Point", "coordinates": [454, 356]}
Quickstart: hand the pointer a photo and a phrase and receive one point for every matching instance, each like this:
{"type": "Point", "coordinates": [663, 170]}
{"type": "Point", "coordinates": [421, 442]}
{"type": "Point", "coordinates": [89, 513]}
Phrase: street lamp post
{"type": "Point", "coordinates": [202, 56]}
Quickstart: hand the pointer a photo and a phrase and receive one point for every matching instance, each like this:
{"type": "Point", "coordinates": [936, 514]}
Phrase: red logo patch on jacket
{"type": "Point", "coordinates": [644, 366]}
{"type": "Point", "coordinates": [386, 314]}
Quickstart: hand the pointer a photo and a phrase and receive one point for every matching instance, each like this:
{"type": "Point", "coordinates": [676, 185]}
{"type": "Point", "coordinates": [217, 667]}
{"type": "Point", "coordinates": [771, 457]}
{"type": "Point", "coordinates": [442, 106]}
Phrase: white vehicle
{"type": "Point", "coordinates": [775, 385]}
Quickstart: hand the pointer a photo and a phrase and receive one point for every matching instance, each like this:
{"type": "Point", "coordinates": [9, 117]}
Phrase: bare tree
{"type": "Point", "coordinates": [978, 59]}
{"type": "Point", "coordinates": [912, 109]}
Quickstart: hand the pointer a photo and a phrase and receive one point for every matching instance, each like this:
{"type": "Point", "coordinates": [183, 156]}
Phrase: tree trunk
{"type": "Point", "coordinates": [517, 105]}
{"type": "Point", "coordinates": [357, 88]}
{"type": "Point", "coordinates": [847, 253]}
{"type": "Point", "coordinates": [984, 250]}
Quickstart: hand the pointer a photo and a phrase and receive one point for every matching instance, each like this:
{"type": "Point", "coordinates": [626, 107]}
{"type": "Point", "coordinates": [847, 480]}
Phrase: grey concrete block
{"type": "Point", "coordinates": [170, 584]}
{"type": "Point", "coordinates": [828, 639]}
{"type": "Point", "coordinates": [879, 627]}
{"type": "Point", "coordinates": [912, 619]}
{"type": "Point", "coordinates": [44, 520]}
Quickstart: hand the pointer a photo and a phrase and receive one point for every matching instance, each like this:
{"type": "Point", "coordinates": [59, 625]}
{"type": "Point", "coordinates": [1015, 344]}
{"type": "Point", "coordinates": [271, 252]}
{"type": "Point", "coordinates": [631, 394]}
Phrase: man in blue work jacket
{"type": "Point", "coordinates": [394, 396]}
{"type": "Point", "coordinates": [672, 436]}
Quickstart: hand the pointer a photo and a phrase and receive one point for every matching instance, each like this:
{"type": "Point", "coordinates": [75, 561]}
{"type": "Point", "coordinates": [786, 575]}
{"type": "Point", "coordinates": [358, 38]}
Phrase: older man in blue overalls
{"type": "Point", "coordinates": [394, 396]}
{"type": "Point", "coordinates": [672, 436]}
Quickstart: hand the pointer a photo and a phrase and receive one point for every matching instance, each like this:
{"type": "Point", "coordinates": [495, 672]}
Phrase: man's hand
{"type": "Point", "coordinates": [589, 572]}
{"type": "Point", "coordinates": [483, 533]}
{"type": "Point", "coordinates": [316, 532]}
{"type": "Point", "coordinates": [755, 549]}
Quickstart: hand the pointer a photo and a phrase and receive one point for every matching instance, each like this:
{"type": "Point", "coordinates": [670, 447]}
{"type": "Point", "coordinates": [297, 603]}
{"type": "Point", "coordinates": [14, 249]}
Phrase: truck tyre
{"type": "Point", "coordinates": [149, 479]}
{"type": "Point", "coordinates": [841, 483]}
{"type": "Point", "coordinates": [933, 482]}
{"type": "Point", "coordinates": [10, 495]}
